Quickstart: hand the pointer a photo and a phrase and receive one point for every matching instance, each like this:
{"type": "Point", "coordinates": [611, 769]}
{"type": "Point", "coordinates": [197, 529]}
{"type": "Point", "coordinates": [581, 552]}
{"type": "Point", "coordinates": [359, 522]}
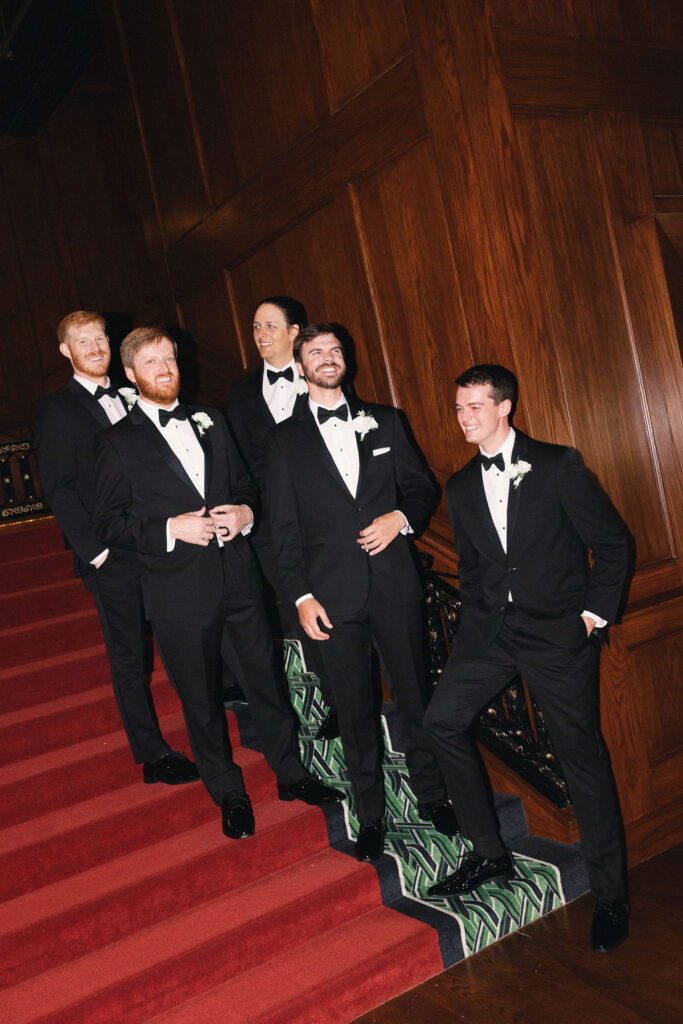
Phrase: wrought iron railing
{"type": "Point", "coordinates": [21, 495]}
{"type": "Point", "coordinates": [512, 726]}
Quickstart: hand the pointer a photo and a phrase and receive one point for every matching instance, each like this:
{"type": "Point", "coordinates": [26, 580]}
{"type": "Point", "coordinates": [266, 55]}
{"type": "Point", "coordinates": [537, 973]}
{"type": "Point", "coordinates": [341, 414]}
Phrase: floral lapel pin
{"type": "Point", "coordinates": [302, 386]}
{"type": "Point", "coordinates": [129, 395]}
{"type": "Point", "coordinates": [203, 421]}
{"type": "Point", "coordinates": [363, 422]}
{"type": "Point", "coordinates": [516, 472]}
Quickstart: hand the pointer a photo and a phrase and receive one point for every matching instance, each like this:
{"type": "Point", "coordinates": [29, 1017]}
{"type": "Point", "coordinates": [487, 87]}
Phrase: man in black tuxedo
{"type": "Point", "coordinates": [345, 487]}
{"type": "Point", "coordinates": [255, 404]}
{"type": "Point", "coordinates": [172, 488]}
{"type": "Point", "coordinates": [525, 516]}
{"type": "Point", "coordinates": [66, 426]}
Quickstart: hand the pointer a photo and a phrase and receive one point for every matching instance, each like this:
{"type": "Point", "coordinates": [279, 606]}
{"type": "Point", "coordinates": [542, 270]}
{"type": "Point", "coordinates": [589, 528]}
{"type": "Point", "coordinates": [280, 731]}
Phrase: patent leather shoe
{"type": "Point", "coordinates": [610, 924]}
{"type": "Point", "coordinates": [237, 816]}
{"type": "Point", "coordinates": [172, 768]}
{"type": "Point", "coordinates": [472, 873]}
{"type": "Point", "coordinates": [311, 791]}
{"type": "Point", "coordinates": [441, 815]}
{"type": "Point", "coordinates": [329, 727]}
{"type": "Point", "coordinates": [370, 841]}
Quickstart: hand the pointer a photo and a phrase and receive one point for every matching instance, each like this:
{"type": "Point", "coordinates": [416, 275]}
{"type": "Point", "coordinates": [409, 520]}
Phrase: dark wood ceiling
{"type": "Point", "coordinates": [44, 45]}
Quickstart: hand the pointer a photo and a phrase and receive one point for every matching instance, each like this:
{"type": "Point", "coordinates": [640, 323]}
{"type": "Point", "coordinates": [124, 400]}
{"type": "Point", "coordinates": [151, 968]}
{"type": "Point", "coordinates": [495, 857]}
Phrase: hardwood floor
{"type": "Point", "coordinates": [547, 974]}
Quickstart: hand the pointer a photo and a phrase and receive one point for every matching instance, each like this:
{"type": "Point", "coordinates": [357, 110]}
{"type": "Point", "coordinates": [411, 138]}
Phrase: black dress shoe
{"type": "Point", "coordinates": [472, 873]}
{"type": "Point", "coordinates": [441, 815]}
{"type": "Point", "coordinates": [311, 791]}
{"type": "Point", "coordinates": [370, 841]}
{"type": "Point", "coordinates": [329, 727]}
{"type": "Point", "coordinates": [610, 925]}
{"type": "Point", "coordinates": [172, 768]}
{"type": "Point", "coordinates": [237, 816]}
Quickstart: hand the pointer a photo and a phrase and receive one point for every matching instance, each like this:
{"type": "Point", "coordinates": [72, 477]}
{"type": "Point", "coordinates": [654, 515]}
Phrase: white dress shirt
{"type": "Point", "coordinates": [340, 439]}
{"type": "Point", "coordinates": [280, 396]}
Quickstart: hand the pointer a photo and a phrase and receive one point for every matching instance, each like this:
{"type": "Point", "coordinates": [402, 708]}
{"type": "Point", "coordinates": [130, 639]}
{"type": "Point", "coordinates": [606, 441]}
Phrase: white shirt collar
{"type": "Point", "coordinates": [506, 449]}
{"type": "Point", "coordinates": [268, 366]}
{"type": "Point", "coordinates": [152, 410]}
{"type": "Point", "coordinates": [90, 385]}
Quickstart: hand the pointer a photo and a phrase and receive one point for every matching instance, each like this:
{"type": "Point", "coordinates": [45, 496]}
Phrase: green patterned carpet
{"type": "Point", "coordinates": [416, 854]}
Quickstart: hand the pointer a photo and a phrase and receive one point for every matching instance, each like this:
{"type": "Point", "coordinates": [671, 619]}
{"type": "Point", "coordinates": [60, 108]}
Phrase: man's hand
{"type": "Point", "coordinates": [381, 531]}
{"type": "Point", "coordinates": [192, 527]}
{"type": "Point", "coordinates": [230, 520]}
{"type": "Point", "coordinates": [588, 623]}
{"type": "Point", "coordinates": [310, 611]}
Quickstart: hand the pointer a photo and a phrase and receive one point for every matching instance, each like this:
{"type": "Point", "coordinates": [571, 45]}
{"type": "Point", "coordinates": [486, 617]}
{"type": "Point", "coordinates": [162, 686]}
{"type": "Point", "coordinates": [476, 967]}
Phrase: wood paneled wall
{"type": "Point", "coordinates": [456, 182]}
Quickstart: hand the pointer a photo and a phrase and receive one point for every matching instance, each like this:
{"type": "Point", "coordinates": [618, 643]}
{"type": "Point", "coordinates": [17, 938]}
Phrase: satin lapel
{"type": "Point", "coordinates": [89, 402]}
{"type": "Point", "coordinates": [321, 450]}
{"type": "Point", "coordinates": [482, 524]}
{"type": "Point", "coordinates": [364, 447]}
{"type": "Point", "coordinates": [207, 448]}
{"type": "Point", "coordinates": [153, 437]}
{"type": "Point", "coordinates": [518, 452]}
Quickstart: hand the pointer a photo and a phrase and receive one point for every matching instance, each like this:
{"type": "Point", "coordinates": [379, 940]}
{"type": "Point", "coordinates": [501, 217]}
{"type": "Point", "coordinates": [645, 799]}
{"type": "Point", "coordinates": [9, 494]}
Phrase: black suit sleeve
{"type": "Point", "coordinates": [57, 446]}
{"type": "Point", "coordinates": [117, 524]}
{"type": "Point", "coordinates": [469, 573]}
{"type": "Point", "coordinates": [602, 531]}
{"type": "Point", "coordinates": [284, 521]}
{"type": "Point", "coordinates": [419, 492]}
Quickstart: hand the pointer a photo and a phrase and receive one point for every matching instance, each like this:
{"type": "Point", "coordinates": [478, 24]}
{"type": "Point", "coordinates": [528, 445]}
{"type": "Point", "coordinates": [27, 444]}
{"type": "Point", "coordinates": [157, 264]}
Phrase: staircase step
{"type": "Point", "coordinates": [83, 913]}
{"type": "Point", "coordinates": [72, 774]}
{"type": "Point", "coordinates": [44, 679]}
{"type": "Point", "coordinates": [33, 605]}
{"type": "Point", "coordinates": [36, 570]}
{"type": "Point", "coordinates": [348, 971]}
{"type": "Point", "coordinates": [23, 540]}
{"type": "Point", "coordinates": [58, 634]}
{"type": "Point", "coordinates": [42, 728]}
{"type": "Point", "coordinates": [56, 846]}
{"type": "Point", "coordinates": [200, 947]}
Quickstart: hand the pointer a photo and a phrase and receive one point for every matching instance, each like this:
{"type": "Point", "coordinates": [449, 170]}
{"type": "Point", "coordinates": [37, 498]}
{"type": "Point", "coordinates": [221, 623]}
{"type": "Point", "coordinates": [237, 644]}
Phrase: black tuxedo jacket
{"type": "Point", "coordinates": [555, 516]}
{"type": "Point", "coordinates": [67, 424]}
{"type": "Point", "coordinates": [141, 484]}
{"type": "Point", "coordinates": [316, 521]}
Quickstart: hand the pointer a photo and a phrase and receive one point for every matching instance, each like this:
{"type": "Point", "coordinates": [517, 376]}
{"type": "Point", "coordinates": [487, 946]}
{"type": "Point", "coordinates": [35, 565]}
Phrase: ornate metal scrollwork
{"type": "Point", "coordinates": [20, 491]}
{"type": "Point", "coordinates": [512, 726]}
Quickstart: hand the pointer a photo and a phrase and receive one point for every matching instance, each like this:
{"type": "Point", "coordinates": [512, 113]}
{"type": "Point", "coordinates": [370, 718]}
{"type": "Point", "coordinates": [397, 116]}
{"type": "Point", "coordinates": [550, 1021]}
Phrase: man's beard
{"type": "Point", "coordinates": [163, 394]}
{"type": "Point", "coordinates": [330, 383]}
{"type": "Point", "coordinates": [87, 369]}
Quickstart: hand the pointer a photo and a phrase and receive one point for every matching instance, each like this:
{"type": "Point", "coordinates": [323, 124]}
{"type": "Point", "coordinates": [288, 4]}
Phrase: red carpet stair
{"type": "Point", "coordinates": [124, 902]}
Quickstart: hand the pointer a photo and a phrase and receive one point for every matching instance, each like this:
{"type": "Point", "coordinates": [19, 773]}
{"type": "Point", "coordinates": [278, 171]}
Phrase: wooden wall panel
{"type": "Point", "coordinates": [210, 356]}
{"type": "Point", "coordinates": [358, 41]}
{"type": "Point", "coordinates": [166, 125]}
{"type": "Point", "coordinates": [551, 17]}
{"type": "Point", "coordinates": [255, 78]}
{"type": "Point", "coordinates": [318, 263]}
{"type": "Point", "coordinates": [664, 147]}
{"type": "Point", "coordinates": [600, 377]}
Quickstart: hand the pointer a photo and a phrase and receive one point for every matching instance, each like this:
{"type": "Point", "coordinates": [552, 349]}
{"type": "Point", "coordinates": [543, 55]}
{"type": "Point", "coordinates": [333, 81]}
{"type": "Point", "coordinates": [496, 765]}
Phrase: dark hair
{"type": "Point", "coordinates": [293, 311]}
{"type": "Point", "coordinates": [502, 382]}
{"type": "Point", "coordinates": [315, 331]}
{"type": "Point", "coordinates": [133, 342]}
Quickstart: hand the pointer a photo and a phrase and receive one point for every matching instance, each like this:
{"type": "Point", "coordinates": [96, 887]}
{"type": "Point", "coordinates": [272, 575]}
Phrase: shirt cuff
{"type": "Point", "coordinates": [170, 541]}
{"type": "Point", "coordinates": [99, 560]}
{"type": "Point", "coordinates": [407, 528]}
{"type": "Point", "coordinates": [304, 597]}
{"type": "Point", "coordinates": [246, 530]}
{"type": "Point", "coordinates": [600, 623]}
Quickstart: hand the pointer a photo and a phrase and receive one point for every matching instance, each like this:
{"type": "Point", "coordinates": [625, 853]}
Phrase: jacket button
{"type": "Point", "coordinates": [513, 569]}
{"type": "Point", "coordinates": [358, 508]}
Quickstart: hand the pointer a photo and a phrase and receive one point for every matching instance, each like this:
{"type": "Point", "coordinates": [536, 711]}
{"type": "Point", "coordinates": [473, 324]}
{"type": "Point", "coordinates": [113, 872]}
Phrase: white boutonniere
{"type": "Point", "coordinates": [203, 421]}
{"type": "Point", "coordinates": [302, 386]}
{"type": "Point", "coordinates": [129, 395]}
{"type": "Point", "coordinates": [363, 422]}
{"type": "Point", "coordinates": [516, 472]}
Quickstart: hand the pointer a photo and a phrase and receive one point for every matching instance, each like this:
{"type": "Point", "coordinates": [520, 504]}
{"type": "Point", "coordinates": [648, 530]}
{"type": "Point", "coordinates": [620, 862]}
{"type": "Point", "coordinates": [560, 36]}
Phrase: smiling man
{"type": "Point", "coordinates": [172, 488]}
{"type": "Point", "coordinates": [66, 426]}
{"type": "Point", "coordinates": [345, 490]}
{"type": "Point", "coordinates": [525, 515]}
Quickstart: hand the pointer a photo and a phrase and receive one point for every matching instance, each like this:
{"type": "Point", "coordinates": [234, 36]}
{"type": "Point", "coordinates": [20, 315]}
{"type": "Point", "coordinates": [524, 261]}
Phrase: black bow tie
{"type": "Point", "coordinates": [498, 461]}
{"type": "Point", "coordinates": [327, 414]}
{"type": "Point", "coordinates": [274, 375]}
{"type": "Point", "coordinates": [166, 415]}
{"type": "Point", "coordinates": [100, 391]}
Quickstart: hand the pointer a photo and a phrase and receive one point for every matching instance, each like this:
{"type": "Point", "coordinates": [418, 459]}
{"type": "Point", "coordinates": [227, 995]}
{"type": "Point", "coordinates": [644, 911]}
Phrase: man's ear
{"type": "Point", "coordinates": [129, 374]}
{"type": "Point", "coordinates": [64, 349]}
{"type": "Point", "coordinates": [505, 407]}
{"type": "Point", "coordinates": [299, 367]}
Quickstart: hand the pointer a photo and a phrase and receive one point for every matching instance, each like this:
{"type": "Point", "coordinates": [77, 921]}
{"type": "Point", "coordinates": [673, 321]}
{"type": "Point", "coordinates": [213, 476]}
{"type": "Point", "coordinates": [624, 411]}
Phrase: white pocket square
{"type": "Point", "coordinates": [380, 451]}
